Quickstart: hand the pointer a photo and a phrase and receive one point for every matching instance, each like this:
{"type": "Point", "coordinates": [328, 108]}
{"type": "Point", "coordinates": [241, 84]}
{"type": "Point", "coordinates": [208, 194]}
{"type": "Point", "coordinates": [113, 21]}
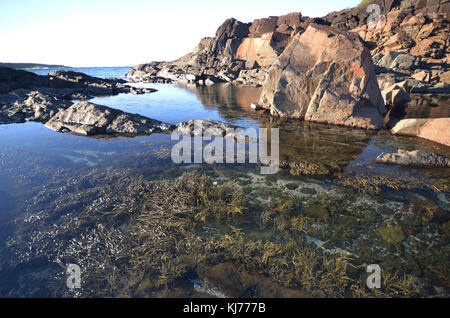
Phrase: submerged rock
{"type": "Point", "coordinates": [392, 234]}
{"type": "Point", "coordinates": [317, 211]}
{"type": "Point", "coordinates": [89, 119]}
{"type": "Point", "coordinates": [414, 158]}
{"type": "Point", "coordinates": [198, 127]}
{"type": "Point", "coordinates": [207, 128]}
{"type": "Point", "coordinates": [327, 76]}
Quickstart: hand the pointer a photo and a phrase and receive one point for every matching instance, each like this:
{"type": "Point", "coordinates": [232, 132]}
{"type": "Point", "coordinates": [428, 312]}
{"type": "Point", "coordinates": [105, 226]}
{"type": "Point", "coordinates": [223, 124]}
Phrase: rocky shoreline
{"type": "Point", "coordinates": [50, 100]}
{"type": "Point", "coordinates": [409, 52]}
{"type": "Point", "coordinates": [25, 96]}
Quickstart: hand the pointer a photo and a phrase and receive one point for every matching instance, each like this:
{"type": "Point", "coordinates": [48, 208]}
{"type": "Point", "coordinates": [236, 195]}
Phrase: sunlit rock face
{"type": "Point", "coordinates": [259, 50]}
{"type": "Point", "coordinates": [419, 27]}
{"type": "Point", "coordinates": [327, 76]}
{"type": "Point", "coordinates": [436, 129]}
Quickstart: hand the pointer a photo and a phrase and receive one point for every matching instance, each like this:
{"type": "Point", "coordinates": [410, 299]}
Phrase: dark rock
{"type": "Point", "coordinates": [397, 62]}
{"type": "Point", "coordinates": [85, 118]}
{"type": "Point", "coordinates": [23, 105]}
{"type": "Point", "coordinates": [309, 191]}
{"type": "Point", "coordinates": [291, 186]}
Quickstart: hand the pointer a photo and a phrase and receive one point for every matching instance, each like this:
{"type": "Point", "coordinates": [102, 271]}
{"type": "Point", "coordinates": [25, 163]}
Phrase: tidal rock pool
{"type": "Point", "coordinates": [139, 225]}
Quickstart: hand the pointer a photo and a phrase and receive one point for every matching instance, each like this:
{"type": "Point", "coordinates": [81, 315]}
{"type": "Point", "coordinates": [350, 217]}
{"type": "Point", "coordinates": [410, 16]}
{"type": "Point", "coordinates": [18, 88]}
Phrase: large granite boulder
{"type": "Point", "coordinates": [325, 75]}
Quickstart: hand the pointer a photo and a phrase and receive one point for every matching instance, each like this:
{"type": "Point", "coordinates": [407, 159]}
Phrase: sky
{"type": "Point", "coordinates": [127, 32]}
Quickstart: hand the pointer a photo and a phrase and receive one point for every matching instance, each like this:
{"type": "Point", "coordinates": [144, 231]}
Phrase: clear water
{"type": "Point", "coordinates": [60, 192]}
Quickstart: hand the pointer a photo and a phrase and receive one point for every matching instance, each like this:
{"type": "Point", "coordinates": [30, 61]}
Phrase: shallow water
{"type": "Point", "coordinates": [107, 204]}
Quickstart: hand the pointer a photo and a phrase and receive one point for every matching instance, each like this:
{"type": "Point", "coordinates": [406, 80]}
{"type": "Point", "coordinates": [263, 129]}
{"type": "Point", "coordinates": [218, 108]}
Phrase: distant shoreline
{"type": "Point", "coordinates": [21, 66]}
{"type": "Point", "coordinates": [36, 66]}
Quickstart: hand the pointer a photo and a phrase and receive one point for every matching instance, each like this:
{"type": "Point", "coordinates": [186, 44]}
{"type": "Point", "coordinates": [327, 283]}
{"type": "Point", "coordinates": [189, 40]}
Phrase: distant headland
{"type": "Point", "coordinates": [19, 66]}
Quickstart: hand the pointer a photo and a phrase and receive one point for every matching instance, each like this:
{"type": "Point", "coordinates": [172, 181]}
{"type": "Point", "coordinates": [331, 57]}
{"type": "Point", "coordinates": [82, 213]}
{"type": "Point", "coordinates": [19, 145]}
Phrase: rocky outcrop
{"type": "Point", "coordinates": [327, 76]}
{"type": "Point", "coordinates": [412, 73]}
{"type": "Point", "coordinates": [82, 118]}
{"type": "Point", "coordinates": [67, 84]}
{"type": "Point", "coordinates": [435, 129]}
{"type": "Point", "coordinates": [85, 118]}
{"type": "Point", "coordinates": [411, 26]}
{"type": "Point", "coordinates": [417, 158]}
{"type": "Point", "coordinates": [212, 60]}
{"type": "Point", "coordinates": [240, 53]}
{"type": "Point", "coordinates": [409, 45]}
{"type": "Point", "coordinates": [416, 26]}
{"type": "Point", "coordinates": [48, 99]}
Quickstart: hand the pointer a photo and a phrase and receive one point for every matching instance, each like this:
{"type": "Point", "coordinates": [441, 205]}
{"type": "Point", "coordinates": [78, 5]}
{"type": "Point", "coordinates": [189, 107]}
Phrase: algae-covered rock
{"type": "Point", "coordinates": [228, 279]}
{"type": "Point", "coordinates": [392, 234]}
{"type": "Point", "coordinates": [268, 289]}
{"type": "Point", "coordinates": [445, 227]}
{"type": "Point", "coordinates": [317, 211]}
{"type": "Point", "coordinates": [308, 191]}
{"type": "Point", "coordinates": [346, 227]}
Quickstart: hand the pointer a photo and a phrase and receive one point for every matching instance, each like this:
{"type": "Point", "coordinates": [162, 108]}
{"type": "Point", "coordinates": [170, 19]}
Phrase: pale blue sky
{"type": "Point", "coordinates": [116, 33]}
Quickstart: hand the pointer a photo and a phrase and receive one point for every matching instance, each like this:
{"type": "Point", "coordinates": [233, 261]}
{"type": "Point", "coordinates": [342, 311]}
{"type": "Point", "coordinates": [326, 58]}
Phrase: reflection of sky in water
{"type": "Point", "coordinates": [34, 140]}
{"type": "Point", "coordinates": [170, 104]}
{"type": "Point", "coordinates": [173, 104]}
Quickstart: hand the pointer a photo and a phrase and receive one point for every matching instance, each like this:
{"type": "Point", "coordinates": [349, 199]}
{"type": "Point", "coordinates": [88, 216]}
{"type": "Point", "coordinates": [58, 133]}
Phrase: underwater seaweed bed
{"type": "Point", "coordinates": [219, 233]}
